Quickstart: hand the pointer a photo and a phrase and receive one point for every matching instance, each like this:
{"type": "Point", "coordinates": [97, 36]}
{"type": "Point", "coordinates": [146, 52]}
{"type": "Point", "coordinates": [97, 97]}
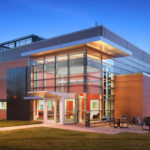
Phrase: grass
{"type": "Point", "coordinates": [56, 139]}
{"type": "Point", "coordinates": [8, 123]}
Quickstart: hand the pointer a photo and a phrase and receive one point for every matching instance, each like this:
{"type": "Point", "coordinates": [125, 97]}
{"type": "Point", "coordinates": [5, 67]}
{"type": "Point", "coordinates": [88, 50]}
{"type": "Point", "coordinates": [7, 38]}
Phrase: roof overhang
{"type": "Point", "coordinates": [104, 45]}
{"type": "Point", "coordinates": [33, 98]}
{"type": "Point", "coordinates": [42, 95]}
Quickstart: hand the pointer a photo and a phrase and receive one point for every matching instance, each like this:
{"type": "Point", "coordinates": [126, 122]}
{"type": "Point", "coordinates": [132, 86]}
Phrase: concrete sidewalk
{"type": "Point", "coordinates": [98, 129]}
{"type": "Point", "coordinates": [20, 127]}
{"type": "Point", "coordinates": [81, 128]}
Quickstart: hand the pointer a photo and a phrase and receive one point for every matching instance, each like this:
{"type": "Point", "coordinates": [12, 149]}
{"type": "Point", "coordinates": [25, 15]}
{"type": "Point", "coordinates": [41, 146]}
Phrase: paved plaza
{"type": "Point", "coordinates": [95, 128]}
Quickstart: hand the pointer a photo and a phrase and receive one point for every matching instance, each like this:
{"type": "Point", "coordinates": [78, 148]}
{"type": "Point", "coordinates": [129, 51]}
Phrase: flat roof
{"type": "Point", "coordinates": [97, 42]}
{"type": "Point", "coordinates": [75, 37]}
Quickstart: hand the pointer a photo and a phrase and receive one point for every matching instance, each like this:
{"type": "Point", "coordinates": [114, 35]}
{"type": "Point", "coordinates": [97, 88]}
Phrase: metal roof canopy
{"type": "Point", "coordinates": [33, 98]}
{"type": "Point", "coordinates": [103, 45]}
{"type": "Point", "coordinates": [41, 95]}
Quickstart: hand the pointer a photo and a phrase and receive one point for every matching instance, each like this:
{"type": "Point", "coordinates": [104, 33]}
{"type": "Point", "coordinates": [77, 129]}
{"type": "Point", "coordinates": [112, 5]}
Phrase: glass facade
{"type": "Point", "coordinates": [78, 72]}
{"type": "Point", "coordinates": [129, 64]}
{"type": "Point", "coordinates": [89, 73]}
{"type": "Point", "coordinates": [62, 73]}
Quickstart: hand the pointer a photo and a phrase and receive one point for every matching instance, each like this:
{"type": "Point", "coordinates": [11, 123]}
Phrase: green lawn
{"type": "Point", "coordinates": [8, 123]}
{"type": "Point", "coordinates": [56, 139]}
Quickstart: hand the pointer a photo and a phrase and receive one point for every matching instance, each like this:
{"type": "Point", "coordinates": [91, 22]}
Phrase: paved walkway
{"type": "Point", "coordinates": [99, 129]}
{"type": "Point", "coordinates": [20, 127]}
{"type": "Point", "coordinates": [78, 127]}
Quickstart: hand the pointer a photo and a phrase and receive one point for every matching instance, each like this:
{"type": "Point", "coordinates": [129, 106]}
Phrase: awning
{"type": "Point", "coordinates": [33, 98]}
{"type": "Point", "coordinates": [41, 95]}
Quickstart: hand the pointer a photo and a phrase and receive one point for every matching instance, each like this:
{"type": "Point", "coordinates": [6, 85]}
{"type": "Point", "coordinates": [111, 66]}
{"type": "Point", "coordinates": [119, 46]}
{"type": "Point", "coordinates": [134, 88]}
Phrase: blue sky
{"type": "Point", "coordinates": [47, 18]}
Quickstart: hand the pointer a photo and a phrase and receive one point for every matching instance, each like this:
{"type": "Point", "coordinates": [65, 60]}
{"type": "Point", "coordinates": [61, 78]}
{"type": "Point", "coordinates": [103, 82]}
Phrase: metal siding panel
{"type": "Point", "coordinates": [83, 34]}
{"type": "Point", "coordinates": [17, 109]}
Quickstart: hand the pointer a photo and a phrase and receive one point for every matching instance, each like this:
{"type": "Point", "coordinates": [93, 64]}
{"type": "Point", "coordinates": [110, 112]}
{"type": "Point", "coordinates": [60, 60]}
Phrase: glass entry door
{"type": "Point", "coordinates": [94, 109]}
{"type": "Point", "coordinates": [70, 116]}
{"type": "Point", "coordinates": [38, 110]}
{"type": "Point", "coordinates": [50, 110]}
{"type": "Point", "coordinates": [53, 113]}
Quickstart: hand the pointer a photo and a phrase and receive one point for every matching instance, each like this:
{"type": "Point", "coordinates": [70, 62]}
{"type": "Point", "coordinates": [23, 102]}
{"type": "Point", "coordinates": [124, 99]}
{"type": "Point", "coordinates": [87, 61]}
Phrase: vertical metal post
{"type": "Point", "coordinates": [68, 67]}
{"type": "Point", "coordinates": [85, 82]}
{"type": "Point", "coordinates": [43, 74]}
{"type": "Point", "coordinates": [102, 85]}
{"type": "Point", "coordinates": [55, 71]}
{"type": "Point", "coordinates": [85, 71]}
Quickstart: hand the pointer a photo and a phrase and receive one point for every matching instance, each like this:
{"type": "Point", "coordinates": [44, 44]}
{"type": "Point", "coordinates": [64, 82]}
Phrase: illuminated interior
{"type": "Point", "coordinates": [86, 70]}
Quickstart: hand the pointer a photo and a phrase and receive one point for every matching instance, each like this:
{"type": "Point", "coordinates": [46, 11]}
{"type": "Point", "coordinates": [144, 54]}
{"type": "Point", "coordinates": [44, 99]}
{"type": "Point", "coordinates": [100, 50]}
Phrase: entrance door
{"type": "Point", "coordinates": [70, 116]}
{"type": "Point", "coordinates": [53, 114]}
{"type": "Point", "coordinates": [94, 109]}
{"type": "Point", "coordinates": [38, 110]}
{"type": "Point", "coordinates": [50, 110]}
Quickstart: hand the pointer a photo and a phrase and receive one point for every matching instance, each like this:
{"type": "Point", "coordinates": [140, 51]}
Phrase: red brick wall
{"type": "Point", "coordinates": [128, 95]}
{"type": "Point", "coordinates": [2, 114]}
{"type": "Point", "coordinates": [3, 72]}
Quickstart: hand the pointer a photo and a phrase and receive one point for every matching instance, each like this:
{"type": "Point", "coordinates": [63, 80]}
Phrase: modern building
{"type": "Point", "coordinates": [61, 78]}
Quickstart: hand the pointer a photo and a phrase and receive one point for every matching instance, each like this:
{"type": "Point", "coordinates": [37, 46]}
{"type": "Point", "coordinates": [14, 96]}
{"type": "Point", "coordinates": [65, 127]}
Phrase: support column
{"type": "Point", "coordinates": [55, 111]}
{"type": "Point", "coordinates": [85, 72]}
{"type": "Point", "coordinates": [77, 108]}
{"type": "Point", "coordinates": [102, 87]}
{"type": "Point", "coordinates": [85, 103]}
{"type": "Point", "coordinates": [62, 110]}
{"type": "Point", "coordinates": [45, 111]}
{"type": "Point", "coordinates": [85, 82]}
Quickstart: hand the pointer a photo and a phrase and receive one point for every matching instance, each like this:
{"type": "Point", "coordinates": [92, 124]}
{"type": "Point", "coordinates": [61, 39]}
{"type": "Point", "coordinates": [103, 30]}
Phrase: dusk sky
{"type": "Point", "coordinates": [48, 18]}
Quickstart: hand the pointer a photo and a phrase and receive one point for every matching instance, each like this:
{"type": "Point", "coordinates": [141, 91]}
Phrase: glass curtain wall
{"type": "Point", "coordinates": [61, 73]}
{"type": "Point", "coordinates": [94, 85]}
{"type": "Point", "coordinates": [79, 72]}
{"type": "Point", "coordinates": [100, 86]}
{"type": "Point", "coordinates": [108, 88]}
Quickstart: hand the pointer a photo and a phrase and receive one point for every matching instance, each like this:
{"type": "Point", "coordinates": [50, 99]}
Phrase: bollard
{"type": "Point", "coordinates": [87, 119]}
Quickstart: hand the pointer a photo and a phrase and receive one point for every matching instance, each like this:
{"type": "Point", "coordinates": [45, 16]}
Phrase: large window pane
{"type": "Point", "coordinates": [3, 105]}
{"type": "Point", "coordinates": [76, 79]}
{"type": "Point", "coordinates": [50, 110]}
{"type": "Point", "coordinates": [62, 80]}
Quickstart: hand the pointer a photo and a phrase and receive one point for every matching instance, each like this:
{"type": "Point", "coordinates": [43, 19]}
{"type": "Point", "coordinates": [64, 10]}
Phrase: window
{"type": "Point", "coordinates": [41, 105]}
{"type": "Point", "coordinates": [76, 55]}
{"type": "Point", "coordinates": [3, 105]}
